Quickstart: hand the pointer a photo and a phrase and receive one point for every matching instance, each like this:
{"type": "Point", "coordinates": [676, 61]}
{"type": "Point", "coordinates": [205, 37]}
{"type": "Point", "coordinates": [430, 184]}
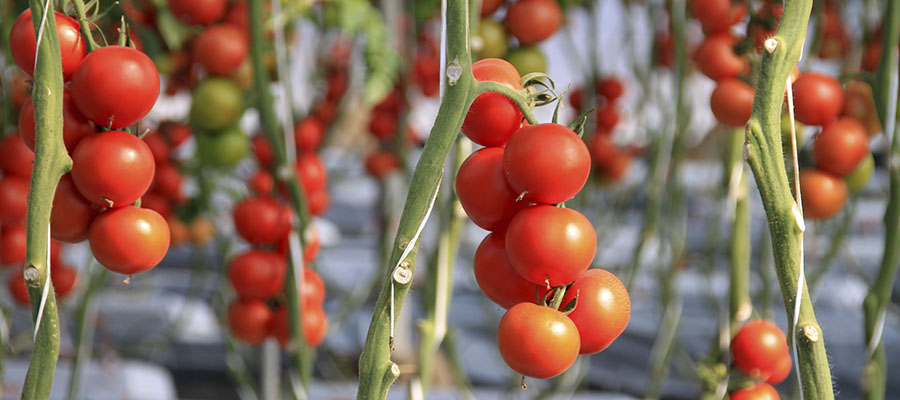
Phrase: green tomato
{"type": "Point", "coordinates": [223, 149]}
{"type": "Point", "coordinates": [528, 59]}
{"type": "Point", "coordinates": [216, 105]}
{"type": "Point", "coordinates": [493, 39]}
{"type": "Point", "coordinates": [858, 179]}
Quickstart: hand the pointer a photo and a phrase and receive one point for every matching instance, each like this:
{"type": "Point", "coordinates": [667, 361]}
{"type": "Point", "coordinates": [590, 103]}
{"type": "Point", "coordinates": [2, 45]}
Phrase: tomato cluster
{"type": "Point", "coordinates": [760, 351]}
{"type": "Point", "coordinates": [610, 160]}
{"type": "Point", "coordinates": [530, 22]}
{"type": "Point", "coordinates": [384, 126]}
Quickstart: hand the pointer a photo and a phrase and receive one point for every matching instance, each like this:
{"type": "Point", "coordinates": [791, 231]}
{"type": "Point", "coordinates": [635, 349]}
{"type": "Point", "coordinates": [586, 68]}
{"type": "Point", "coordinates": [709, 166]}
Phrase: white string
{"type": "Point", "coordinates": [41, 32]}
{"type": "Point", "coordinates": [798, 217]}
{"type": "Point", "coordinates": [46, 291]}
{"type": "Point", "coordinates": [281, 65]}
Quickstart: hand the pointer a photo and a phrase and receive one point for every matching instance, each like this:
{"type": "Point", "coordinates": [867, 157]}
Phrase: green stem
{"type": "Point", "coordinates": [84, 329]}
{"type": "Point", "coordinates": [764, 153]}
{"type": "Point", "coordinates": [377, 371]}
{"type": "Point", "coordinates": [85, 25]}
{"type": "Point", "coordinates": [739, 305]}
{"type": "Point", "coordinates": [520, 97]}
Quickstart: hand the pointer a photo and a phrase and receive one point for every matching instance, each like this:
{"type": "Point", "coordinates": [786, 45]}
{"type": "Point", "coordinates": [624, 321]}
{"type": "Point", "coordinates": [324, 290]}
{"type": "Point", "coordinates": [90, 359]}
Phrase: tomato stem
{"type": "Point", "coordinates": [520, 97]}
{"type": "Point", "coordinates": [558, 293]}
{"type": "Point", "coordinates": [85, 26]}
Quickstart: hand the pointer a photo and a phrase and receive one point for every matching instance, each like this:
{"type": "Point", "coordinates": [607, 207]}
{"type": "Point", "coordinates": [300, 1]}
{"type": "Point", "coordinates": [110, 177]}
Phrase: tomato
{"type": "Point", "coordinates": [824, 194]}
{"type": "Point", "coordinates": [492, 117]}
{"type": "Point", "coordinates": [488, 7]}
{"type": "Point", "coordinates": [576, 98]}
{"type": "Point", "coordinates": [602, 311]}
{"type": "Point", "coordinates": [174, 133]}
{"type": "Point", "coordinates": [858, 179]}
{"type": "Point", "coordinates": [715, 57]}
{"type": "Point", "coordinates": [197, 12]}
{"type": "Point", "coordinates": [261, 182]}
{"type": "Point", "coordinates": [311, 172]}
{"type": "Point", "coordinates": [140, 11]}
{"type": "Point", "coordinates": [262, 149]}
{"type": "Point", "coordinates": [717, 15]}
{"type": "Point", "coordinates": [760, 391]}
{"type": "Point", "coordinates": [493, 39]}
{"type": "Point", "coordinates": [308, 134]}
{"type": "Point", "coordinates": [64, 279]}
{"type": "Point", "coordinates": [603, 151]}
{"type": "Point", "coordinates": [497, 279]}
{"type": "Point", "coordinates": [312, 293]}
{"type": "Point", "coordinates": [860, 104]}
{"type": "Point", "coordinates": [818, 99]}
{"type": "Point", "coordinates": [261, 220]}
{"type": "Point", "coordinates": [13, 199]}
{"type": "Point", "coordinates": [71, 214]}
{"type": "Point", "coordinates": [550, 244]}
{"type": "Point", "coordinates": [115, 86]}
{"type": "Point", "coordinates": [223, 149]}
{"type": "Point", "coordinates": [12, 245]}
{"type": "Point", "coordinates": [315, 325]}
{"type": "Point", "coordinates": [158, 146]}
{"type": "Point", "coordinates": [758, 348]}
{"type": "Point", "coordinates": [220, 49]}
{"type": "Point", "coordinates": [18, 87]}
{"type": "Point", "coordinates": [158, 203]}
{"type": "Point", "coordinates": [256, 274]}
{"type": "Point", "coordinates": [249, 321]}
{"type": "Point", "coordinates": [841, 146]}
{"type": "Point", "coordinates": [380, 163]}
{"type": "Point", "coordinates": [22, 43]}
{"type": "Point", "coordinates": [113, 168]}
{"type": "Point", "coordinates": [55, 251]}
{"type": "Point", "coordinates": [238, 15]}
{"type": "Point", "coordinates": [129, 240]}
{"type": "Point", "coordinates": [168, 181]}
{"type": "Point", "coordinates": [216, 104]}
{"type": "Point", "coordinates": [318, 202]}
{"type": "Point", "coordinates": [547, 162]}
{"type": "Point", "coordinates": [611, 88]}
{"type": "Point", "coordinates": [781, 370]}
{"type": "Point", "coordinates": [178, 230]}
{"type": "Point", "coordinates": [75, 125]}
{"type": "Point", "coordinates": [383, 125]}
{"type": "Point", "coordinates": [15, 157]}
{"type": "Point", "coordinates": [17, 287]}
{"type": "Point", "coordinates": [607, 117]}
{"type": "Point", "coordinates": [483, 191]}
{"type": "Point", "coordinates": [732, 102]}
{"type": "Point", "coordinates": [532, 21]}
{"type": "Point", "coordinates": [528, 59]}
{"type": "Point", "coordinates": [313, 243]}
{"type": "Point", "coordinates": [201, 231]}
{"type": "Point", "coordinates": [537, 341]}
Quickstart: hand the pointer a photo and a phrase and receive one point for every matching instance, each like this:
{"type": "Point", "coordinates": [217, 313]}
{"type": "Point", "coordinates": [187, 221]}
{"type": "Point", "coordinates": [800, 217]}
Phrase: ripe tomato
{"type": "Point", "coordinates": [379, 163]}
{"type": "Point", "coordinates": [17, 287]}
{"type": "Point", "coordinates": [760, 391]}
{"type": "Point", "coordinates": [18, 87]}
{"type": "Point", "coordinates": [71, 214]}
{"type": "Point", "coordinates": [781, 371]}
{"type": "Point", "coordinates": [15, 157]}
{"type": "Point", "coordinates": [175, 133]}
{"type": "Point", "coordinates": [261, 182]}
{"type": "Point", "coordinates": [113, 168]}
{"type": "Point", "coordinates": [129, 240]}
{"type": "Point", "coordinates": [611, 88]}
{"type": "Point", "coordinates": [312, 293]}
{"type": "Point", "coordinates": [217, 104]}
{"type": "Point", "coordinates": [22, 43]}
{"type": "Point", "coordinates": [311, 172]}
{"type": "Point", "coordinates": [318, 202]}
{"type": "Point", "coordinates": [220, 49]}
{"type": "Point", "coordinates": [818, 99]}
{"type": "Point", "coordinates": [115, 86]}
{"type": "Point", "coordinates": [261, 220]}
{"type": "Point", "coordinates": [489, 6]}
{"type": "Point", "coordinates": [859, 104]}
{"type": "Point", "coordinates": [493, 118]}
{"type": "Point", "coordinates": [315, 325]}
{"type": "Point", "coordinates": [238, 15]}
{"type": "Point", "coordinates": [715, 57]}
{"type": "Point", "coordinates": [841, 146]}
{"type": "Point", "coordinates": [197, 12]}
{"type": "Point", "coordinates": [262, 150]}
{"type": "Point", "coordinates": [758, 348]}
{"type": "Point", "coordinates": [603, 309]}
{"type": "Point", "coordinates": [548, 162]}
{"type": "Point", "coordinates": [178, 230]}
{"type": "Point", "coordinates": [308, 134]}
{"type": "Point", "coordinates": [383, 125]}
{"type": "Point", "coordinates": [732, 102]}
{"type": "Point", "coordinates": [64, 279]}
{"type": "Point", "coordinates": [537, 341]}
{"type": "Point", "coordinates": [497, 279]}
{"type": "Point", "coordinates": [158, 146]}
{"type": "Point", "coordinates": [532, 21]}
{"type": "Point", "coordinates": [824, 194]}
{"type": "Point", "coordinates": [249, 320]}
{"type": "Point", "coordinates": [717, 15]}
{"type": "Point", "coordinates": [12, 245]}
{"type": "Point", "coordinates": [75, 125]}
{"type": "Point", "coordinates": [13, 199]}
{"type": "Point", "coordinates": [158, 203]}
{"type": "Point", "coordinates": [168, 181]}
{"type": "Point", "coordinates": [494, 43]}
{"type": "Point", "coordinates": [223, 149]}
{"type": "Point", "coordinates": [607, 117]}
{"type": "Point", "coordinates": [257, 274]}
{"type": "Point", "coordinates": [483, 191]}
{"type": "Point", "coordinates": [313, 243]}
{"type": "Point", "coordinates": [528, 59]}
{"type": "Point", "coordinates": [546, 243]}
{"type": "Point", "coordinates": [859, 178]}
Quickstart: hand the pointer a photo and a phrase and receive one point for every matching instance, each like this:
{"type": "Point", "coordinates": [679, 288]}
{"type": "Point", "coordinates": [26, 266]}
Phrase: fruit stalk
{"type": "Point", "coordinates": [377, 371]}
{"type": "Point", "coordinates": [85, 24]}
{"type": "Point", "coordinates": [766, 159]}
{"type": "Point", "coordinates": [879, 296]}
{"type": "Point", "coordinates": [51, 161]}
{"type": "Point", "coordinates": [740, 306]}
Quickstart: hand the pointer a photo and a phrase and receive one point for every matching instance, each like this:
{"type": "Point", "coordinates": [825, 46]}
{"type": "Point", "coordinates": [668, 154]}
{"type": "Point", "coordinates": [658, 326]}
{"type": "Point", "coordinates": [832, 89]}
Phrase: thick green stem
{"type": "Point", "coordinates": [377, 371]}
{"type": "Point", "coordinates": [739, 305]}
{"type": "Point", "coordinates": [50, 162]}
{"type": "Point", "coordinates": [764, 153]}
{"type": "Point", "coordinates": [85, 24]}
{"type": "Point", "coordinates": [84, 329]}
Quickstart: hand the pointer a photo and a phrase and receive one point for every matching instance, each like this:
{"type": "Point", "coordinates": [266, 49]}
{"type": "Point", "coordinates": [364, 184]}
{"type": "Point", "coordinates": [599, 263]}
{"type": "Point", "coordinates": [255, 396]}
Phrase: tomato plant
{"type": "Point", "coordinates": [75, 125]}
{"type": "Point", "coordinates": [602, 311]}
{"type": "Point", "coordinates": [537, 341]}
{"type": "Point", "coordinates": [759, 348]}
{"type": "Point", "coordinates": [841, 146]}
{"type": "Point", "coordinates": [497, 278]}
{"type": "Point", "coordinates": [261, 220]}
{"type": "Point", "coordinates": [23, 44]}
{"type": "Point", "coordinates": [113, 168]}
{"type": "Point", "coordinates": [249, 320]}
{"type": "Point", "coordinates": [483, 191]}
{"type": "Point", "coordinates": [824, 194]}
{"type": "Point", "coordinates": [715, 57]}
{"type": "Point", "coordinates": [129, 240]}
{"type": "Point", "coordinates": [493, 118]}
{"type": "Point", "coordinates": [534, 165]}
{"type": "Point", "coordinates": [532, 21]}
{"type": "Point", "coordinates": [732, 102]}
{"type": "Point", "coordinates": [72, 214]}
{"type": "Point", "coordinates": [818, 98]}
{"type": "Point", "coordinates": [256, 274]}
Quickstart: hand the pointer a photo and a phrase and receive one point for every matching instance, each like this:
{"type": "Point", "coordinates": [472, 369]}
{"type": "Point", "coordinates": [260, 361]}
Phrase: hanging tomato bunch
{"type": "Point", "coordinates": [610, 160]}
{"type": "Point", "coordinates": [530, 22]}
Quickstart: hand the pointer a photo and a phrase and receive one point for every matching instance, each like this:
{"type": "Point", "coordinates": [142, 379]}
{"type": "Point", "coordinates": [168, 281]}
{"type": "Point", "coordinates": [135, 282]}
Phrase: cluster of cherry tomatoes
{"type": "Point", "coordinates": [760, 351]}
{"type": "Point", "coordinates": [610, 161]}
{"type": "Point", "coordinates": [536, 249]}
{"type": "Point", "coordinates": [529, 21]}
{"type": "Point", "coordinates": [384, 127]}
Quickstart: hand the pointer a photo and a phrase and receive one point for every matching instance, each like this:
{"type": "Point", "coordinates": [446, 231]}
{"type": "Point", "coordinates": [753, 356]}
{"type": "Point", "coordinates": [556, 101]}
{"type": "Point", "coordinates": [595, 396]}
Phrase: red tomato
{"type": "Point", "coordinates": [129, 240]}
{"type": "Point", "coordinates": [311, 172]}
{"type": "Point", "coordinates": [489, 6]}
{"type": "Point", "coordinates": [715, 57]}
{"type": "Point", "coordinates": [257, 274]}
{"type": "Point", "coordinates": [18, 87]}
{"type": "Point", "coordinates": [575, 98]}
{"type": "Point", "coordinates": [113, 168]}
{"type": "Point", "coordinates": [818, 99]}
{"type": "Point", "coordinates": [760, 391]}
{"type": "Point", "coordinates": [313, 243]}
{"type": "Point", "coordinates": [71, 214]}
{"type": "Point", "coordinates": [22, 43]}
{"type": "Point", "coordinates": [602, 311]}
{"type": "Point", "coordinates": [824, 194]}
{"type": "Point", "coordinates": [717, 15]}
{"type": "Point", "coordinates": [220, 49]}
{"type": "Point", "coordinates": [312, 293]}
{"type": "Point", "coordinates": [249, 321]}
{"type": "Point", "coordinates": [168, 181]}
{"type": "Point", "coordinates": [15, 157]}
{"type": "Point", "coordinates": [537, 341]}
{"type": "Point", "coordinates": [497, 279]}
{"type": "Point", "coordinates": [781, 371]}
{"type": "Point", "coordinates": [64, 279]}
{"type": "Point", "coordinates": [841, 146]}
{"type": "Point", "coordinates": [175, 133]}
{"type": "Point", "coordinates": [732, 102]}
{"type": "Point", "coordinates": [238, 15]}
{"type": "Point", "coordinates": [75, 125]}
{"type": "Point", "coordinates": [261, 220]}
{"type": "Point", "coordinates": [12, 245]}
{"type": "Point", "coordinates": [383, 125]}
{"type": "Point", "coordinates": [158, 146]}
{"type": "Point", "coordinates": [262, 149]}
{"type": "Point", "coordinates": [308, 134]}
{"type": "Point", "coordinates": [483, 191]}
{"type": "Point", "coordinates": [318, 202]}
{"type": "Point", "coordinates": [379, 163]}
{"type": "Point", "coordinates": [607, 117]}
{"type": "Point", "coordinates": [315, 325]}
{"type": "Point", "coordinates": [158, 203]}
{"type": "Point", "coordinates": [115, 86]}
{"type": "Point", "coordinates": [532, 21]}
{"type": "Point", "coordinates": [611, 88]}
{"type": "Point", "coordinates": [261, 182]}
{"type": "Point", "coordinates": [197, 12]}
{"type": "Point", "coordinates": [13, 199]}
{"type": "Point", "coordinates": [140, 11]}
{"type": "Point", "coordinates": [550, 244]}
{"type": "Point", "coordinates": [548, 162]}
{"type": "Point", "coordinates": [493, 118]}
{"type": "Point", "coordinates": [17, 287]}
{"type": "Point", "coordinates": [758, 348]}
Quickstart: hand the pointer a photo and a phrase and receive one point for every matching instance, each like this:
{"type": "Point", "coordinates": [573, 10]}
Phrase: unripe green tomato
{"type": "Point", "coordinates": [528, 59]}
{"type": "Point", "coordinates": [858, 179]}
{"type": "Point", "coordinates": [164, 64]}
{"type": "Point", "coordinates": [493, 38]}
{"type": "Point", "coordinates": [223, 149]}
{"type": "Point", "coordinates": [216, 105]}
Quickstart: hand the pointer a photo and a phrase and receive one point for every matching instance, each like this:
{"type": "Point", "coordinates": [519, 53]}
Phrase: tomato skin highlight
{"type": "Point", "coordinates": [533, 21]}
{"type": "Point", "coordinates": [129, 240]}
{"type": "Point", "coordinates": [603, 309]}
{"type": "Point", "coordinates": [841, 146]}
{"type": "Point", "coordinates": [249, 320]}
{"type": "Point", "coordinates": [818, 99]}
{"type": "Point", "coordinates": [732, 102]}
{"type": "Point", "coordinates": [493, 118]}
{"type": "Point", "coordinates": [537, 341]}
{"type": "Point", "coordinates": [824, 194]}
{"type": "Point", "coordinates": [547, 161]}
{"type": "Point", "coordinates": [113, 168]}
{"type": "Point", "coordinates": [497, 278]}
{"type": "Point", "coordinates": [23, 44]}
{"type": "Point", "coordinates": [758, 348]}
{"type": "Point", "coordinates": [483, 191]}
{"type": "Point", "coordinates": [71, 215]}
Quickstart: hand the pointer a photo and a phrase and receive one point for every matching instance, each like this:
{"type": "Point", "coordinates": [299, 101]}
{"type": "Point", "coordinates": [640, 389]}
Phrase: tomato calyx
{"type": "Point", "coordinates": [541, 89]}
{"type": "Point", "coordinates": [553, 298]}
